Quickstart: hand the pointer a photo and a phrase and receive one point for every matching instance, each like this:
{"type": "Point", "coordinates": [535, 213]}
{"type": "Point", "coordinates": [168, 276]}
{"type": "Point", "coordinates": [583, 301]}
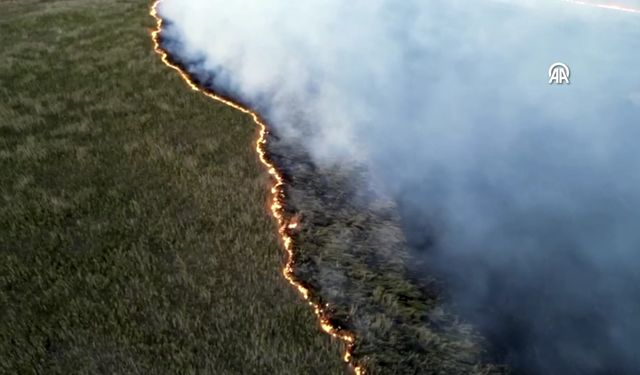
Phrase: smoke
{"type": "Point", "coordinates": [524, 197]}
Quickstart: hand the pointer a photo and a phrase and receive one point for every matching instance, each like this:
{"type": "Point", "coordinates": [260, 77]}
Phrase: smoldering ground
{"type": "Point", "coordinates": [524, 198]}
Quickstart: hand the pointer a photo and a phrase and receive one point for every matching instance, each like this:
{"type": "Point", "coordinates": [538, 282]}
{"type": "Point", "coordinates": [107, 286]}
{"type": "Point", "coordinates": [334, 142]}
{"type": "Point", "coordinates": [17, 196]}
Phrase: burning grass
{"type": "Point", "coordinates": [134, 233]}
{"type": "Point", "coordinates": [350, 261]}
{"type": "Point", "coordinates": [352, 254]}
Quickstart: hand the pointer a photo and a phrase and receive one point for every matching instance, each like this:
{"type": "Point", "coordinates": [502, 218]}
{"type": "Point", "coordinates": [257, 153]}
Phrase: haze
{"type": "Point", "coordinates": [523, 196]}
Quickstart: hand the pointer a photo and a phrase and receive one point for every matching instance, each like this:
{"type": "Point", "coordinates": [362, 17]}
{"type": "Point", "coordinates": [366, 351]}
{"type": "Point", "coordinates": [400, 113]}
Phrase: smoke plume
{"type": "Point", "coordinates": [523, 196]}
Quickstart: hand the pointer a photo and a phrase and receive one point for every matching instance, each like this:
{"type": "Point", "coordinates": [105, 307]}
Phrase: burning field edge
{"type": "Point", "coordinates": [348, 258]}
{"type": "Point", "coordinates": [285, 224]}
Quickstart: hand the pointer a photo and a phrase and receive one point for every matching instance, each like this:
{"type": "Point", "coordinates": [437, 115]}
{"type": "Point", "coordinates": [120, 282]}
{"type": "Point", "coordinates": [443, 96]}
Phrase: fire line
{"type": "Point", "coordinates": [620, 8]}
{"type": "Point", "coordinates": [285, 225]}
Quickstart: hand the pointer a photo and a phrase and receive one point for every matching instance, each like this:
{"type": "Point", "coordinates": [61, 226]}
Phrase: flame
{"type": "Point", "coordinates": [620, 8]}
{"type": "Point", "coordinates": [277, 192]}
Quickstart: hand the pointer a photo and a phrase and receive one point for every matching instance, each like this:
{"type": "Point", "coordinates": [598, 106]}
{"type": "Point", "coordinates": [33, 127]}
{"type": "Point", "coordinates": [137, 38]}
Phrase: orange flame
{"type": "Point", "coordinates": [277, 192]}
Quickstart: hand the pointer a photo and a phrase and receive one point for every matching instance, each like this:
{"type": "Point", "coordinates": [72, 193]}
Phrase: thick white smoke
{"type": "Point", "coordinates": [531, 191]}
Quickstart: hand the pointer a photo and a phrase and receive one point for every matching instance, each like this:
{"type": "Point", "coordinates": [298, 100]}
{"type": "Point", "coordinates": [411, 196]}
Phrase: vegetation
{"type": "Point", "coordinates": [134, 236]}
{"type": "Point", "coordinates": [134, 233]}
{"type": "Point", "coordinates": [352, 253]}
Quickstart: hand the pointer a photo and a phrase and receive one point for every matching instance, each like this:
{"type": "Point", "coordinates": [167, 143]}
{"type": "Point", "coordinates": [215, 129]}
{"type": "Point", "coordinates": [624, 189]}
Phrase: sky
{"type": "Point", "coordinates": [523, 196]}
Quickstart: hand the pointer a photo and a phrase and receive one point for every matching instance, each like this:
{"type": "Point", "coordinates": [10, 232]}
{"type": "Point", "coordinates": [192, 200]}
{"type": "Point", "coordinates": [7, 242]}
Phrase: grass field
{"type": "Point", "coordinates": [352, 253]}
{"type": "Point", "coordinates": [134, 234]}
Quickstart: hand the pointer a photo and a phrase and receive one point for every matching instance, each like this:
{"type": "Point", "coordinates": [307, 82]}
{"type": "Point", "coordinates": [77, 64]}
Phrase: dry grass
{"type": "Point", "coordinates": [352, 253]}
{"type": "Point", "coordinates": [134, 236]}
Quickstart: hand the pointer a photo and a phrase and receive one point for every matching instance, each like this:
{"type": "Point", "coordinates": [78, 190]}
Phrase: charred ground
{"type": "Point", "coordinates": [353, 254]}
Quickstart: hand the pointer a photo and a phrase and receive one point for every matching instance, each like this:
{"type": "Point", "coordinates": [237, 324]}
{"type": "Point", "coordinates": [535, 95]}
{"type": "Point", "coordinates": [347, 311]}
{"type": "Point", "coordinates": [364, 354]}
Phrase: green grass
{"type": "Point", "coordinates": [134, 234]}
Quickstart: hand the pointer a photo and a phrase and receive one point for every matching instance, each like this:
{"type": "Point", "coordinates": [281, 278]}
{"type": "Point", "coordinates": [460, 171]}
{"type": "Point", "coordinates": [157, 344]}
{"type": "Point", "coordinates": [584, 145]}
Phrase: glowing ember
{"type": "Point", "coordinates": [284, 224]}
{"type": "Point", "coordinates": [620, 8]}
